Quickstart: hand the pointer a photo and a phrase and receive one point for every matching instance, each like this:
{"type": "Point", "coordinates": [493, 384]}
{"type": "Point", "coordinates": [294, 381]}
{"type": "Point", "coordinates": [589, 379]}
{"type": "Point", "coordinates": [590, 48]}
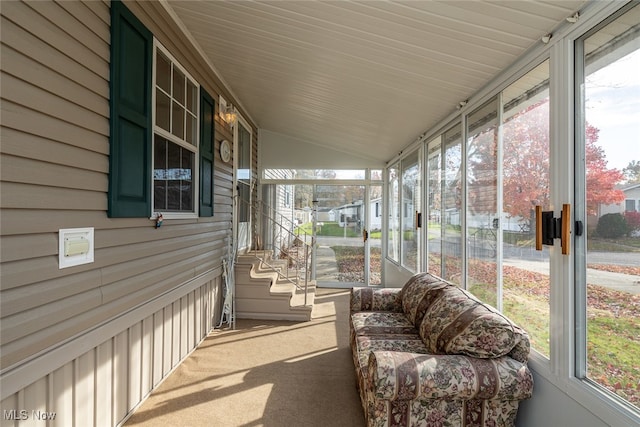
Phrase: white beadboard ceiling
{"type": "Point", "coordinates": [362, 77]}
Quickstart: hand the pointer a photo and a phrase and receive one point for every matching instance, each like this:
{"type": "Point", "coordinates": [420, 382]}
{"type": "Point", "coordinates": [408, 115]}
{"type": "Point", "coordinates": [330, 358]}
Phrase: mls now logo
{"type": "Point", "coordinates": [23, 414]}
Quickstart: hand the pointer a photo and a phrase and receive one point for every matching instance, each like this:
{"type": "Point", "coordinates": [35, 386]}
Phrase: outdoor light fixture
{"type": "Point", "coordinates": [229, 114]}
{"type": "Point", "coordinates": [546, 38]}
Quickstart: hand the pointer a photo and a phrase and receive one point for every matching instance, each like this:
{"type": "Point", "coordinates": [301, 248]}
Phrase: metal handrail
{"type": "Point", "coordinates": [278, 235]}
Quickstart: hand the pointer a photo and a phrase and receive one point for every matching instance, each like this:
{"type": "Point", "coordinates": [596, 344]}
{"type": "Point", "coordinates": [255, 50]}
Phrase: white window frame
{"type": "Point", "coordinates": [195, 149]}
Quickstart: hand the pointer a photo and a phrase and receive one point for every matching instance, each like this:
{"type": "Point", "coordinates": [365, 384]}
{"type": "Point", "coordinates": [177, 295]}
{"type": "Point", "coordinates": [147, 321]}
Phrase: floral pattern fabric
{"type": "Point", "coordinates": [430, 354]}
{"type": "Point", "coordinates": [372, 299]}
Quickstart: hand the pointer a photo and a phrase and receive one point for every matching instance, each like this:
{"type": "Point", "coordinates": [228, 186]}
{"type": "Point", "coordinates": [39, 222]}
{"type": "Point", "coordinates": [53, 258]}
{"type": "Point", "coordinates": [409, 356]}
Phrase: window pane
{"type": "Point", "coordinates": [163, 72]}
{"type": "Point", "coordinates": [320, 174]}
{"type": "Point", "coordinates": [482, 202]}
{"type": "Point", "coordinates": [163, 112]}
{"type": "Point", "coordinates": [452, 198]}
{"type": "Point", "coordinates": [393, 245]}
{"type": "Point", "coordinates": [186, 180]}
{"type": "Point", "coordinates": [178, 120]}
{"type": "Point", "coordinates": [611, 142]}
{"type": "Point", "coordinates": [525, 184]}
{"type": "Point", "coordinates": [178, 86]}
{"type": "Point", "coordinates": [434, 207]}
{"type": "Point", "coordinates": [192, 98]}
{"type": "Point", "coordinates": [159, 175]}
{"type": "Point", "coordinates": [410, 206]}
{"type": "Point", "coordinates": [375, 234]}
{"type": "Point", "coordinates": [173, 171]}
{"type": "Point", "coordinates": [192, 130]}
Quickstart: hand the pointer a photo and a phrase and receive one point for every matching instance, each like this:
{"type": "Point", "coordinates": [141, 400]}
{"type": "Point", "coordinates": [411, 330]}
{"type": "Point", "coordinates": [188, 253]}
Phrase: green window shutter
{"type": "Point", "coordinates": [131, 118]}
{"type": "Point", "coordinates": [207, 132]}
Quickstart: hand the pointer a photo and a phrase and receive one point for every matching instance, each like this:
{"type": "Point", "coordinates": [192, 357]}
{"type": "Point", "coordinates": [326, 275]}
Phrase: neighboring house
{"type": "Point", "coordinates": [77, 137]}
{"type": "Point", "coordinates": [631, 201]}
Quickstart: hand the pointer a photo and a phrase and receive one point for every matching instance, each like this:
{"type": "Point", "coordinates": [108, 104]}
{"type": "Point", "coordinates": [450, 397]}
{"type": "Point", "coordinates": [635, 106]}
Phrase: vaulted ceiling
{"type": "Point", "coordinates": [363, 77]}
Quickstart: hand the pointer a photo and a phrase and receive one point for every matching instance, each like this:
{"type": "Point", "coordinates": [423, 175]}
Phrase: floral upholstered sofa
{"type": "Point", "coordinates": [431, 354]}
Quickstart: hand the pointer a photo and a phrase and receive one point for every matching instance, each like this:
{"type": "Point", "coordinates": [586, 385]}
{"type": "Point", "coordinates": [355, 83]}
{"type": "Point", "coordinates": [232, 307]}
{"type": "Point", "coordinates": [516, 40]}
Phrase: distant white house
{"type": "Point", "coordinates": [631, 202]}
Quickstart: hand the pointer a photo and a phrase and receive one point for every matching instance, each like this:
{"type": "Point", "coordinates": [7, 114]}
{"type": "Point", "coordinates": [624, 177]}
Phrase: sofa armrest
{"type": "Point", "coordinates": [394, 375]}
{"type": "Point", "coordinates": [380, 299]}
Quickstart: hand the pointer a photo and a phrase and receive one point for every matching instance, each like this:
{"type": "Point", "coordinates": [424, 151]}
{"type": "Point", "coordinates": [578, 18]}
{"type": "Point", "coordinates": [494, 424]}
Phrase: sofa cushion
{"type": "Point", "coordinates": [418, 294]}
{"type": "Point", "coordinates": [375, 299]}
{"type": "Point", "coordinates": [411, 343]}
{"type": "Point", "coordinates": [379, 322]}
{"type": "Point", "coordinates": [457, 323]}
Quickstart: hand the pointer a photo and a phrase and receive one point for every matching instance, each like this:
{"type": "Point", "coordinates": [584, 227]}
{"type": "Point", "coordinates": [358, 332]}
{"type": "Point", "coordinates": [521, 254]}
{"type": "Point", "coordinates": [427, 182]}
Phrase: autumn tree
{"type": "Point", "coordinates": [526, 161]}
{"type": "Point", "coordinates": [526, 165]}
{"type": "Point", "coordinates": [601, 182]}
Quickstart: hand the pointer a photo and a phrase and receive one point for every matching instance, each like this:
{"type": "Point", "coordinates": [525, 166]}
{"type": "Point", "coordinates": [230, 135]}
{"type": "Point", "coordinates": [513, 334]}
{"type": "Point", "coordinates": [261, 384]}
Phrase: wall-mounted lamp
{"type": "Point", "coordinates": [227, 112]}
{"type": "Point", "coordinates": [461, 104]}
{"type": "Point", "coordinates": [546, 38]}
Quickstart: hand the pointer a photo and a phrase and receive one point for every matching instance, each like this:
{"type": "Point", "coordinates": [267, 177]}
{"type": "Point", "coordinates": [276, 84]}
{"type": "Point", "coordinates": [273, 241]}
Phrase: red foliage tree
{"type": "Point", "coordinates": [526, 161]}
{"type": "Point", "coordinates": [601, 182]}
{"type": "Point", "coordinates": [526, 165]}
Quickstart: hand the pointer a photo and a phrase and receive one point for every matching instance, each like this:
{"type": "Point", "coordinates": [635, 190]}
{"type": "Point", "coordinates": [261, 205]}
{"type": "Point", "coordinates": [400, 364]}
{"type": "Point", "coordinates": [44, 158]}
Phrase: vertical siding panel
{"type": "Point", "coordinates": [184, 326]}
{"type": "Point", "coordinates": [120, 380]}
{"type": "Point", "coordinates": [175, 331]}
{"type": "Point", "coordinates": [9, 404]}
{"type": "Point", "coordinates": [147, 356]}
{"type": "Point", "coordinates": [35, 401]}
{"type": "Point", "coordinates": [168, 339]}
{"type": "Point", "coordinates": [135, 362]}
{"type": "Point", "coordinates": [84, 389]}
{"type": "Point", "coordinates": [191, 323]}
{"type": "Point", "coordinates": [158, 346]}
{"type": "Point", "coordinates": [62, 391]}
{"type": "Point", "coordinates": [197, 315]}
{"type": "Point", "coordinates": [104, 384]}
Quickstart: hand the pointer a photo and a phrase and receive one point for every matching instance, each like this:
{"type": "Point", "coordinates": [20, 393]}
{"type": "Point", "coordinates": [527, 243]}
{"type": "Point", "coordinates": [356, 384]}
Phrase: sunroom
{"type": "Point", "coordinates": [151, 149]}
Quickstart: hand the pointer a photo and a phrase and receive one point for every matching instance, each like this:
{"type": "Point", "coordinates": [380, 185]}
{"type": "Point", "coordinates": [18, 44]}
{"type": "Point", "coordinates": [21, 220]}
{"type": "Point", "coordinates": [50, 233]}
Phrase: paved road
{"type": "Point", "coordinates": [526, 258]}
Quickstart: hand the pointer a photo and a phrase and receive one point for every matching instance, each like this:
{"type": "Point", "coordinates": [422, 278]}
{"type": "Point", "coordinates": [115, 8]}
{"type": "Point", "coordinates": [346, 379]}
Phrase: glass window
{"type": "Point", "coordinates": [452, 201]}
{"type": "Point", "coordinates": [411, 206]}
{"type": "Point", "coordinates": [244, 172]}
{"type": "Point", "coordinates": [525, 184]}
{"type": "Point", "coordinates": [482, 202]}
{"type": "Point", "coordinates": [608, 139]}
{"type": "Point", "coordinates": [393, 246]}
{"type": "Point", "coordinates": [434, 207]}
{"type": "Point", "coordinates": [175, 139]}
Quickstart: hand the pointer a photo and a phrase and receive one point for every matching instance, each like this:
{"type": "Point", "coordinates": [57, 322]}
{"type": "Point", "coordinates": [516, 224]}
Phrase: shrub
{"type": "Point", "coordinates": [611, 226]}
{"type": "Point", "coordinates": [633, 221]}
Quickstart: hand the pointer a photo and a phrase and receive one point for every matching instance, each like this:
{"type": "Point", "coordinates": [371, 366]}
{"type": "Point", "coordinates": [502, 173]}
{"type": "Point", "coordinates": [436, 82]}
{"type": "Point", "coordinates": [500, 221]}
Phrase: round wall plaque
{"type": "Point", "coordinates": [225, 151]}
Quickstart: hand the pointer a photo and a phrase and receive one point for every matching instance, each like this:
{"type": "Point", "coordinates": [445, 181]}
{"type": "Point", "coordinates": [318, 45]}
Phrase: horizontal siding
{"type": "Point", "coordinates": [54, 28]}
{"type": "Point", "coordinates": [54, 165]}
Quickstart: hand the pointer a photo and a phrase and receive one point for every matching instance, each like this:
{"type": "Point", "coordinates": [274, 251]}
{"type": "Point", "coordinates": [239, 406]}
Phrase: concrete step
{"type": "Point", "coordinates": [262, 294]}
